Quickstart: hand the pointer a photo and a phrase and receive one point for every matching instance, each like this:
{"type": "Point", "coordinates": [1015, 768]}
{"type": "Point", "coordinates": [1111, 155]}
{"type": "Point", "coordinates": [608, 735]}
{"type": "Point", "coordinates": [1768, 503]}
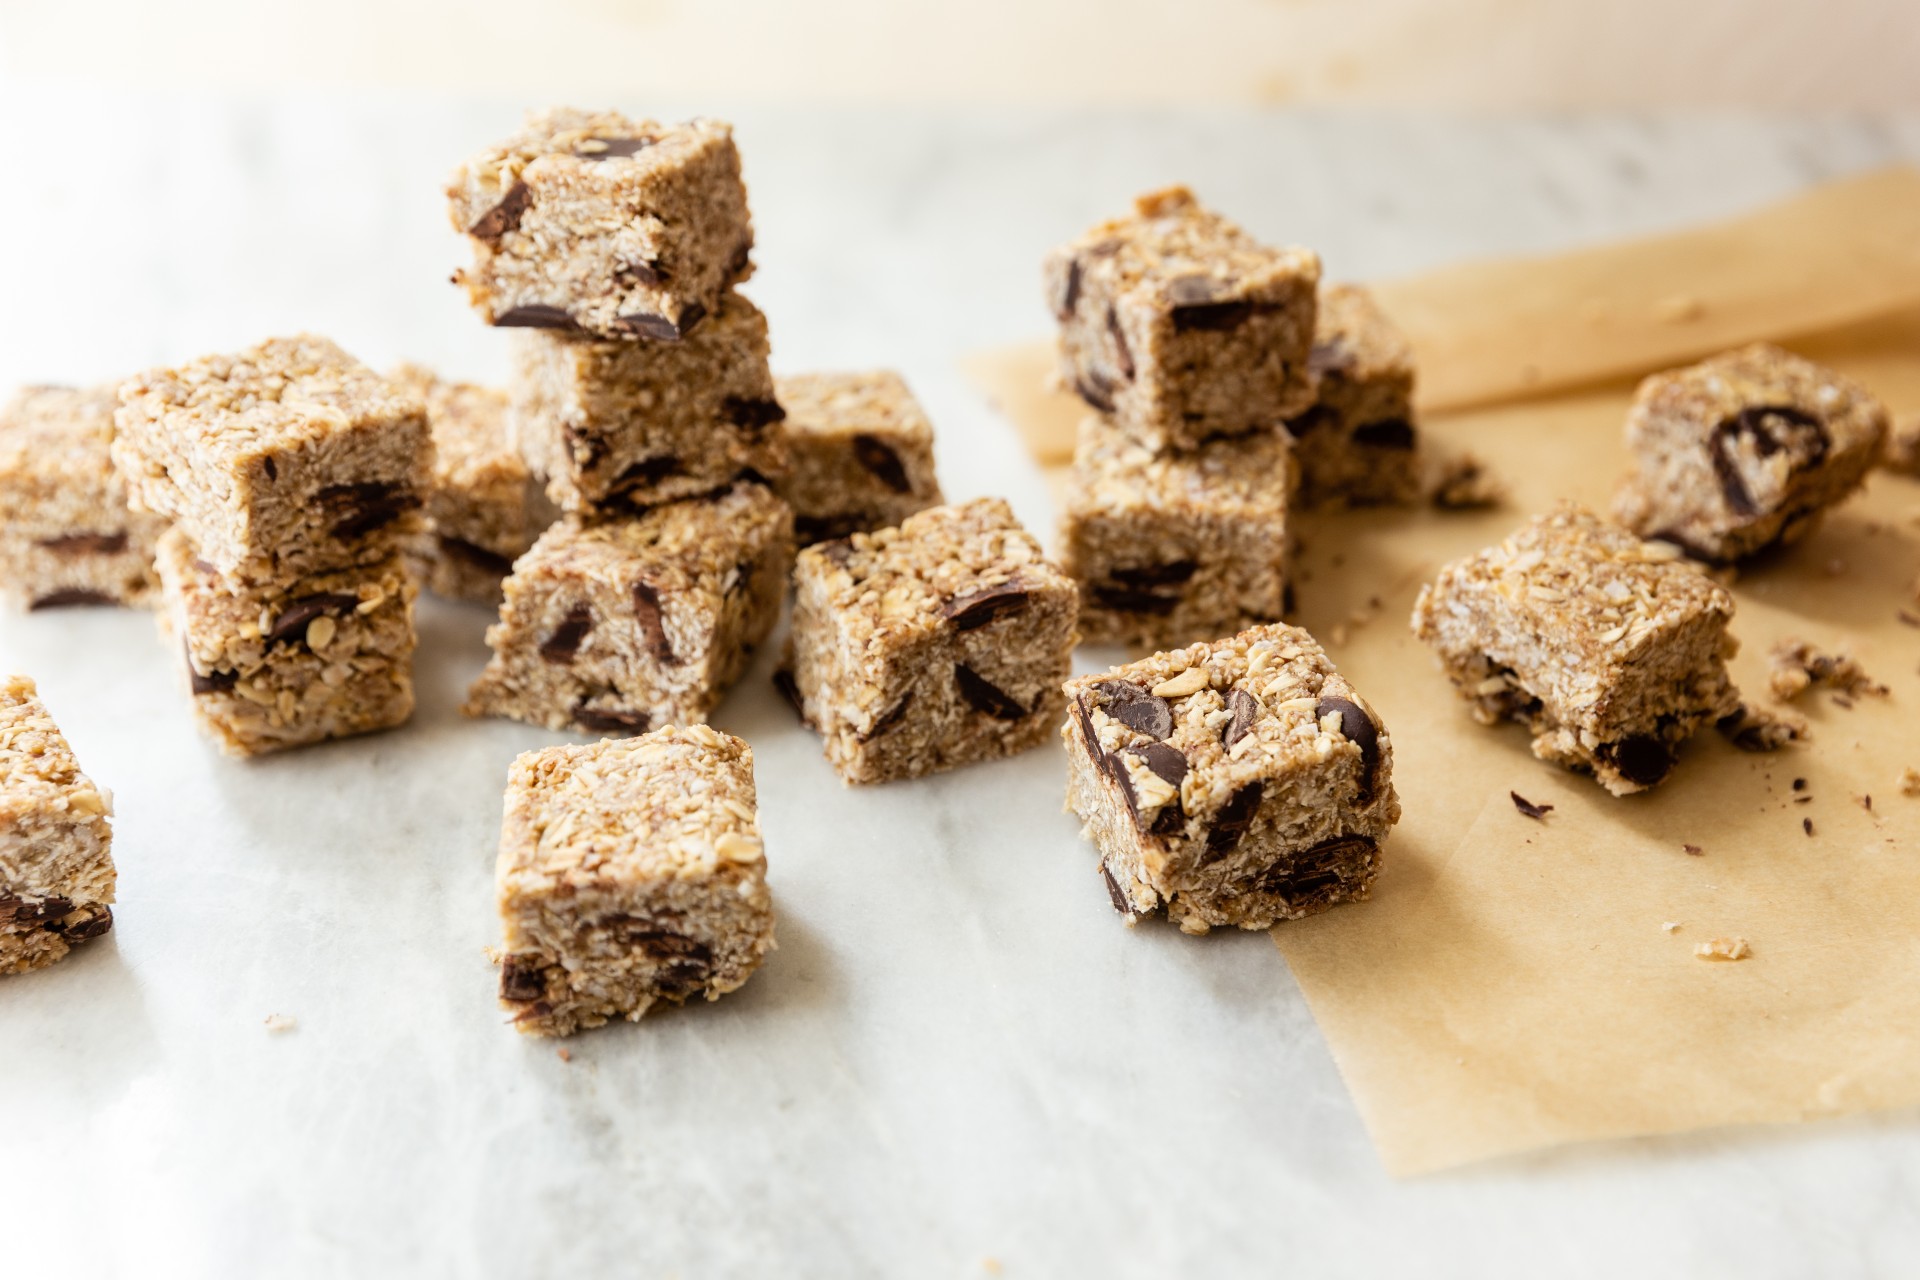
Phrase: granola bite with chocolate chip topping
{"type": "Point", "coordinates": [631, 873]}
{"type": "Point", "coordinates": [1612, 651]}
{"type": "Point", "coordinates": [1242, 782]}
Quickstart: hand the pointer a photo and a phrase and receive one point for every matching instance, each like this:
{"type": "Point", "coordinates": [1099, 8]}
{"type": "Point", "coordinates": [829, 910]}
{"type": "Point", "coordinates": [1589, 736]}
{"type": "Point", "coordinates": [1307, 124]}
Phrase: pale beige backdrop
{"type": "Point", "coordinates": [1819, 54]}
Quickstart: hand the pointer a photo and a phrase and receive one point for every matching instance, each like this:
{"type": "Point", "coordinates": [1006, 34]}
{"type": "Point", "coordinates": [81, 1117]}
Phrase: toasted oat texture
{"type": "Point", "coordinates": [56, 856]}
{"type": "Point", "coordinates": [621, 625]}
{"type": "Point", "coordinates": [66, 535]}
{"type": "Point", "coordinates": [1181, 325]}
{"type": "Point", "coordinates": [1170, 548]}
{"type": "Point", "coordinates": [1609, 649]}
{"type": "Point", "coordinates": [1794, 666]}
{"type": "Point", "coordinates": [289, 458]}
{"type": "Point", "coordinates": [862, 453]}
{"type": "Point", "coordinates": [625, 425]}
{"type": "Point", "coordinates": [1357, 446]}
{"type": "Point", "coordinates": [587, 220]}
{"type": "Point", "coordinates": [327, 656]}
{"type": "Point", "coordinates": [1242, 782]}
{"type": "Point", "coordinates": [1902, 452]}
{"type": "Point", "coordinates": [1745, 451]}
{"type": "Point", "coordinates": [935, 644]}
{"type": "Point", "coordinates": [485, 507]}
{"type": "Point", "coordinates": [630, 872]}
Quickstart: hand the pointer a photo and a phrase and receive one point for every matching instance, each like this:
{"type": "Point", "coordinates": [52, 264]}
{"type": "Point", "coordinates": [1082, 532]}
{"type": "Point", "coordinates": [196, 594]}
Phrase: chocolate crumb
{"type": "Point", "coordinates": [1693, 850]}
{"type": "Point", "coordinates": [1538, 812]}
{"type": "Point", "coordinates": [1799, 784]}
{"type": "Point", "coordinates": [1806, 825]}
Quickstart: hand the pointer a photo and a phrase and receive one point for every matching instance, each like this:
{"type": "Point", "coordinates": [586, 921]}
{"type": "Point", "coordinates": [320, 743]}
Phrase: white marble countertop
{"type": "Point", "coordinates": [958, 1059]}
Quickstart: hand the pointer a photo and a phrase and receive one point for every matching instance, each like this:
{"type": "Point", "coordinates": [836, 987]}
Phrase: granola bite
{"type": "Point", "coordinates": [1609, 649]}
{"type": "Point", "coordinates": [1181, 326]}
{"type": "Point", "coordinates": [631, 873]}
{"type": "Point", "coordinates": [590, 221]}
{"type": "Point", "coordinates": [56, 840]}
{"type": "Point", "coordinates": [1745, 451]}
{"type": "Point", "coordinates": [1241, 782]}
{"type": "Point", "coordinates": [66, 534]}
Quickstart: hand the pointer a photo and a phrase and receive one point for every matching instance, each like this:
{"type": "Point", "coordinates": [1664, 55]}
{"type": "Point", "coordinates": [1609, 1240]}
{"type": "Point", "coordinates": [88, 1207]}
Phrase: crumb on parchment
{"type": "Point", "coordinates": [1723, 949]}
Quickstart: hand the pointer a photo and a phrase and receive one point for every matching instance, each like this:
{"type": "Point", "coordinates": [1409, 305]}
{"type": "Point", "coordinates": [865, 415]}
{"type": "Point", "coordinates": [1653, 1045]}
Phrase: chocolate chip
{"type": "Point", "coordinates": [648, 472]}
{"type": "Point", "coordinates": [1244, 710]}
{"type": "Point", "coordinates": [610, 719]}
{"type": "Point", "coordinates": [70, 596]}
{"type": "Point", "coordinates": [808, 530]}
{"type": "Point", "coordinates": [1172, 573]}
{"type": "Point", "coordinates": [1166, 762]}
{"type": "Point", "coordinates": [879, 458]}
{"type": "Point", "coordinates": [293, 620]}
{"type": "Point", "coordinates": [1538, 812]}
{"type": "Point", "coordinates": [643, 324]}
{"type": "Point", "coordinates": [1136, 708]}
{"type": "Point", "coordinates": [1088, 734]}
{"type": "Point", "coordinates": [471, 553]}
{"type": "Point", "coordinates": [82, 926]}
{"type": "Point", "coordinates": [646, 612]}
{"type": "Point", "coordinates": [522, 977]}
{"type": "Point", "coordinates": [614, 148]}
{"type": "Point", "coordinates": [1215, 317]}
{"type": "Point", "coordinates": [1069, 295]}
{"type": "Point", "coordinates": [984, 696]}
{"type": "Point", "coordinates": [1230, 823]}
{"type": "Point", "coordinates": [1093, 389]}
{"type": "Point", "coordinates": [1357, 727]}
{"type": "Point", "coordinates": [1125, 599]}
{"type": "Point", "coordinates": [889, 721]}
{"type": "Point", "coordinates": [495, 223]}
{"type": "Point", "coordinates": [358, 509]}
{"type": "Point", "coordinates": [1318, 867]}
{"type": "Point", "coordinates": [567, 638]}
{"type": "Point", "coordinates": [534, 315]}
{"type": "Point", "coordinates": [85, 544]}
{"type": "Point", "coordinates": [25, 911]}
{"type": "Point", "coordinates": [976, 609]}
{"type": "Point", "coordinates": [1312, 420]}
{"type": "Point", "coordinates": [1122, 356]}
{"type": "Point", "coordinates": [1771, 427]}
{"type": "Point", "coordinates": [1387, 433]}
{"type": "Point", "coordinates": [1641, 759]}
{"type": "Point", "coordinates": [212, 681]}
{"type": "Point", "coordinates": [647, 275]}
{"type": "Point", "coordinates": [1114, 895]}
{"type": "Point", "coordinates": [1799, 784]}
{"type": "Point", "coordinates": [753, 415]}
{"type": "Point", "coordinates": [1115, 769]}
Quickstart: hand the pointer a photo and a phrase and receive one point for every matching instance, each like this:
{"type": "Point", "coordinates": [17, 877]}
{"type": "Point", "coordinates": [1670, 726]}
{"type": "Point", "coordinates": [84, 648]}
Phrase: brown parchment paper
{"type": "Point", "coordinates": [1511, 984]}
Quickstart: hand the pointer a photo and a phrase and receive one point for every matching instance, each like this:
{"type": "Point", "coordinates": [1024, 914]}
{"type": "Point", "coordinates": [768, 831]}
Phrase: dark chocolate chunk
{"type": "Point", "coordinates": [1244, 710]}
{"type": "Point", "coordinates": [1133, 706]}
{"type": "Point", "coordinates": [471, 553]}
{"type": "Point", "coordinates": [976, 609]}
{"type": "Point", "coordinates": [70, 596]}
{"type": "Point", "coordinates": [358, 509]}
{"type": "Point", "coordinates": [534, 315]}
{"type": "Point", "coordinates": [610, 719]}
{"type": "Point", "coordinates": [646, 612]}
{"type": "Point", "coordinates": [1312, 420]}
{"type": "Point", "coordinates": [494, 224]}
{"type": "Point", "coordinates": [80, 926]}
{"type": "Point", "coordinates": [878, 457]}
{"type": "Point", "coordinates": [645, 274]}
{"type": "Point", "coordinates": [85, 544]}
{"type": "Point", "coordinates": [752, 415]}
{"type": "Point", "coordinates": [1771, 427]}
{"type": "Point", "coordinates": [28, 911]}
{"type": "Point", "coordinates": [1387, 433]}
{"type": "Point", "coordinates": [293, 620]}
{"type": "Point", "coordinates": [213, 681]}
{"type": "Point", "coordinates": [612, 148]}
{"type": "Point", "coordinates": [1166, 762]}
{"type": "Point", "coordinates": [984, 696]}
{"type": "Point", "coordinates": [1125, 599]}
{"type": "Point", "coordinates": [1113, 768]}
{"type": "Point", "coordinates": [1114, 895]}
{"type": "Point", "coordinates": [1641, 759]}
{"type": "Point", "coordinates": [1094, 390]}
{"type": "Point", "coordinates": [1122, 356]}
{"type": "Point", "coordinates": [1799, 784]}
{"type": "Point", "coordinates": [1230, 823]}
{"type": "Point", "coordinates": [644, 324]}
{"type": "Point", "coordinates": [889, 720]}
{"type": "Point", "coordinates": [808, 530]}
{"type": "Point", "coordinates": [567, 638]}
{"type": "Point", "coordinates": [1172, 573]}
{"type": "Point", "coordinates": [522, 977]}
{"type": "Point", "coordinates": [1069, 295]}
{"type": "Point", "coordinates": [1358, 728]}
{"type": "Point", "coordinates": [1538, 812]}
{"type": "Point", "coordinates": [1318, 867]}
{"type": "Point", "coordinates": [1215, 317]}
{"type": "Point", "coordinates": [648, 472]}
{"type": "Point", "coordinates": [1087, 732]}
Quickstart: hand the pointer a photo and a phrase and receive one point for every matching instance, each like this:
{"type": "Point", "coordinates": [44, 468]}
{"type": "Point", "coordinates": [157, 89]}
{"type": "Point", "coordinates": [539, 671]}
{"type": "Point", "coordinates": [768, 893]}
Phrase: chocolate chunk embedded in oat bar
{"type": "Point", "coordinates": [1241, 782]}
{"type": "Point", "coordinates": [931, 645]}
{"type": "Point", "coordinates": [1612, 651]}
{"type": "Point", "coordinates": [862, 453]}
{"type": "Point", "coordinates": [287, 459]}
{"type": "Point", "coordinates": [621, 625]}
{"type": "Point", "coordinates": [625, 425]}
{"type": "Point", "coordinates": [1181, 325]}
{"type": "Point", "coordinates": [1170, 548]}
{"type": "Point", "coordinates": [56, 858]}
{"type": "Point", "coordinates": [486, 507]}
{"type": "Point", "coordinates": [326, 656]}
{"type": "Point", "coordinates": [592, 222]}
{"type": "Point", "coordinates": [66, 535]}
{"type": "Point", "coordinates": [630, 873]}
{"type": "Point", "coordinates": [1356, 445]}
{"type": "Point", "coordinates": [1745, 451]}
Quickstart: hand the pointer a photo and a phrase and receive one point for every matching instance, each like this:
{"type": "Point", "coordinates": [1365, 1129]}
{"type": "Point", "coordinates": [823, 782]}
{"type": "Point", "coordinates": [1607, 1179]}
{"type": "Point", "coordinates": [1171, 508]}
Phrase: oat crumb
{"type": "Point", "coordinates": [1723, 949]}
{"type": "Point", "coordinates": [564, 1054]}
{"type": "Point", "coordinates": [1671, 926]}
{"type": "Point", "coordinates": [280, 1023]}
{"type": "Point", "coordinates": [1796, 666]}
